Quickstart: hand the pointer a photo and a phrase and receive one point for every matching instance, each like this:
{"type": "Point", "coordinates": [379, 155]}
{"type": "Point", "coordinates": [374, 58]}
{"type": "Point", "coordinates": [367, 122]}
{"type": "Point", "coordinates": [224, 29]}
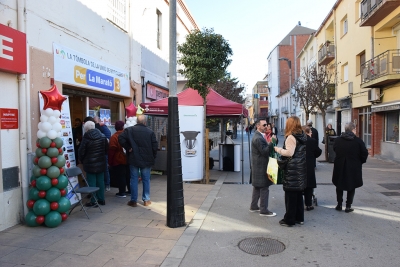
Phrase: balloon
{"type": "Point", "coordinates": [33, 183]}
{"type": "Point", "coordinates": [53, 144]}
{"type": "Point", "coordinates": [38, 152]}
{"type": "Point", "coordinates": [40, 134]}
{"type": "Point", "coordinates": [60, 161]}
{"type": "Point", "coordinates": [52, 119]}
{"type": "Point", "coordinates": [53, 219]}
{"type": "Point", "coordinates": [53, 172]}
{"type": "Point", "coordinates": [45, 142]}
{"type": "Point", "coordinates": [52, 100]}
{"type": "Point", "coordinates": [44, 162]}
{"type": "Point", "coordinates": [46, 126]}
{"type": "Point", "coordinates": [59, 134]}
{"type": "Point", "coordinates": [48, 112]}
{"type": "Point", "coordinates": [63, 204]}
{"type": "Point", "coordinates": [34, 193]}
{"type": "Point", "coordinates": [36, 171]}
{"type": "Point", "coordinates": [52, 134]}
{"type": "Point", "coordinates": [59, 142]}
{"type": "Point", "coordinates": [56, 113]}
{"type": "Point", "coordinates": [130, 110]}
{"type": "Point", "coordinates": [57, 127]}
{"type": "Point", "coordinates": [44, 150]}
{"type": "Point", "coordinates": [64, 216]}
{"type": "Point", "coordinates": [61, 170]}
{"type": "Point", "coordinates": [42, 194]}
{"type": "Point", "coordinates": [35, 160]}
{"type": "Point", "coordinates": [43, 183]}
{"type": "Point", "coordinates": [53, 205]}
{"type": "Point", "coordinates": [52, 152]}
{"type": "Point", "coordinates": [43, 171]}
{"type": "Point", "coordinates": [41, 207]}
{"type": "Point", "coordinates": [54, 160]}
{"type": "Point", "coordinates": [33, 178]}
{"type": "Point", "coordinates": [44, 118]}
{"type": "Point", "coordinates": [62, 182]}
{"type": "Point", "coordinates": [30, 219]}
{"type": "Point", "coordinates": [53, 194]}
{"type": "Point", "coordinates": [63, 192]}
{"type": "Point", "coordinates": [30, 203]}
{"type": "Point", "coordinates": [54, 181]}
{"type": "Point", "coordinates": [40, 219]}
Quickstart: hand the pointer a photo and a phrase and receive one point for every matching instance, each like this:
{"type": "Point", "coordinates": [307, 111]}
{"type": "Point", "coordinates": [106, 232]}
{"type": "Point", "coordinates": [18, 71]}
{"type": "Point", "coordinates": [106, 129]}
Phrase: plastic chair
{"type": "Point", "coordinates": [76, 171]}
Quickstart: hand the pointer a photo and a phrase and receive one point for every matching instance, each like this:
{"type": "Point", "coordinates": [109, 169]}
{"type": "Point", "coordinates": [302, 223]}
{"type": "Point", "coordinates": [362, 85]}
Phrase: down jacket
{"type": "Point", "coordinates": [93, 150]}
{"type": "Point", "coordinates": [295, 178]}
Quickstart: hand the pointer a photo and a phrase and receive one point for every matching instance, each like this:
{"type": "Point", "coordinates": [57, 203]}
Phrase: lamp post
{"type": "Point", "coordinates": [290, 82]}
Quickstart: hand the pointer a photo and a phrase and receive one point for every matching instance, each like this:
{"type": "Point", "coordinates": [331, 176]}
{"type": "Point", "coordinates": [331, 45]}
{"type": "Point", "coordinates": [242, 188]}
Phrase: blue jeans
{"type": "Point", "coordinates": [145, 174]}
{"type": "Point", "coordinates": [107, 174]}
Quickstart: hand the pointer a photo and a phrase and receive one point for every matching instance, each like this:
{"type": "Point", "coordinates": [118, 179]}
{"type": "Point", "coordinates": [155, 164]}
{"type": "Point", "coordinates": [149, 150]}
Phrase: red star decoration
{"type": "Point", "coordinates": [131, 110]}
{"type": "Point", "coordinates": [52, 98]}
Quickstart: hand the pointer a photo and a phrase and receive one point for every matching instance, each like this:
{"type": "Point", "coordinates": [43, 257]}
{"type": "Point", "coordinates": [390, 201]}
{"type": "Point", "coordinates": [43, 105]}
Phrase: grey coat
{"type": "Point", "coordinates": [260, 151]}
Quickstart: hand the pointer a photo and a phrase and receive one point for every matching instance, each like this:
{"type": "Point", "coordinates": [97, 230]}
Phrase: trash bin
{"type": "Point", "coordinates": [331, 152]}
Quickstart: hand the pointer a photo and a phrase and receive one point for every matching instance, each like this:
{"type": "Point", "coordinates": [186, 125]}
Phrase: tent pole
{"type": "Point", "coordinates": [242, 155]}
{"type": "Point", "coordinates": [248, 137]}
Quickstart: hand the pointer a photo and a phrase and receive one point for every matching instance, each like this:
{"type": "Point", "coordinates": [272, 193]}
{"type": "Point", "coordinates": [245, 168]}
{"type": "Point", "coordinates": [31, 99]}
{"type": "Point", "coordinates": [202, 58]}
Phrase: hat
{"type": "Point", "coordinates": [309, 122]}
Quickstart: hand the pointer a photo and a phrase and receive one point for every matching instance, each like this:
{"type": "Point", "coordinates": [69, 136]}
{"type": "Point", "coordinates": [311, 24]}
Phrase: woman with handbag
{"type": "Point", "coordinates": [294, 181]}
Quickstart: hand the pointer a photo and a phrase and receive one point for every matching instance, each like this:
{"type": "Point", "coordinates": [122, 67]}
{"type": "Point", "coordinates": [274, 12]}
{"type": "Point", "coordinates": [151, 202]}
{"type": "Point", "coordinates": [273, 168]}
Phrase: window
{"type": "Point", "coordinates": [392, 127]}
{"type": "Point", "coordinates": [344, 24]}
{"type": "Point", "coordinates": [311, 55]}
{"type": "Point", "coordinates": [360, 61]}
{"type": "Point", "coordinates": [117, 13]}
{"type": "Point", "coordinates": [364, 126]}
{"type": "Point", "coordinates": [159, 29]}
{"type": "Point", "coordinates": [345, 73]}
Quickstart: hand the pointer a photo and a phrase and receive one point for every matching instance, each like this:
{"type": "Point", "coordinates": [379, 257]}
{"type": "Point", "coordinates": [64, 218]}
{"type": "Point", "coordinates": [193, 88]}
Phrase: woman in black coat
{"type": "Point", "coordinates": [351, 153]}
{"type": "Point", "coordinates": [312, 152]}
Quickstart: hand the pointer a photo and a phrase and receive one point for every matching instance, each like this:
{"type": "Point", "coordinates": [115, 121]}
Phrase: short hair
{"type": "Point", "coordinates": [119, 125]}
{"type": "Point", "coordinates": [259, 120]}
{"type": "Point", "coordinates": [309, 122]}
{"type": "Point", "coordinates": [293, 126]}
{"type": "Point", "coordinates": [307, 129]}
{"type": "Point", "coordinates": [78, 119]}
{"type": "Point", "coordinates": [141, 119]}
{"type": "Point", "coordinates": [350, 126]}
{"type": "Point", "coordinates": [89, 125]}
{"type": "Point", "coordinates": [88, 119]}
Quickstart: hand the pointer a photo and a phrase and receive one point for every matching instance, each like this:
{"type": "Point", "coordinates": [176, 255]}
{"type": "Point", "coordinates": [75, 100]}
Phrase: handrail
{"type": "Point", "coordinates": [383, 64]}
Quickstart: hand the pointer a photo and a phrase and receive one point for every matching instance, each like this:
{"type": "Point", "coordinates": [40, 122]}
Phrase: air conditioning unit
{"type": "Point", "coordinates": [335, 103]}
{"type": "Point", "coordinates": [374, 95]}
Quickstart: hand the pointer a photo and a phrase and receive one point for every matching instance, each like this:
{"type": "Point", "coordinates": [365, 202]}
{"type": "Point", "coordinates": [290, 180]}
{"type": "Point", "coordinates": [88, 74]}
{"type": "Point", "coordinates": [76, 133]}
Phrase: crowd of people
{"type": "Point", "coordinates": [298, 157]}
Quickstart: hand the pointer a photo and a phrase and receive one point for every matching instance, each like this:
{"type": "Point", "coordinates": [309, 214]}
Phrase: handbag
{"type": "Point", "coordinates": [272, 170]}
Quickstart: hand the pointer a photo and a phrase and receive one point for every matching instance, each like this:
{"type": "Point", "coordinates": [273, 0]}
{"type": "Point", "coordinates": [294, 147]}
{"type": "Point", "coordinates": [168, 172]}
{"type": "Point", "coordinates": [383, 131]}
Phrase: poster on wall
{"type": "Point", "coordinates": [105, 116]}
{"type": "Point", "coordinates": [68, 144]}
{"type": "Point", "coordinates": [191, 122]}
{"type": "Point", "coordinates": [78, 69]}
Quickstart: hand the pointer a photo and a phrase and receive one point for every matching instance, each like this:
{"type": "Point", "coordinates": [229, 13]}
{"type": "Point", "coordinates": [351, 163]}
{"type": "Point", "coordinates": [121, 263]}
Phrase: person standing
{"type": "Point", "coordinates": [77, 133]}
{"type": "Point", "coordinates": [141, 144]}
{"type": "Point", "coordinates": [351, 153]}
{"type": "Point", "coordinates": [295, 173]}
{"type": "Point", "coordinates": [117, 160]}
{"type": "Point", "coordinates": [260, 151]}
{"type": "Point", "coordinates": [313, 130]}
{"type": "Point", "coordinates": [104, 129]}
{"type": "Point", "coordinates": [92, 154]}
{"type": "Point", "coordinates": [312, 152]}
{"type": "Point", "coordinates": [275, 131]}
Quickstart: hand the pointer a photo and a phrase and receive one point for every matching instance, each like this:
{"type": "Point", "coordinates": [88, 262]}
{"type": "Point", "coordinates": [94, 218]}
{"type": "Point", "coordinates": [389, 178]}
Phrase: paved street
{"type": "Point", "coordinates": [218, 219]}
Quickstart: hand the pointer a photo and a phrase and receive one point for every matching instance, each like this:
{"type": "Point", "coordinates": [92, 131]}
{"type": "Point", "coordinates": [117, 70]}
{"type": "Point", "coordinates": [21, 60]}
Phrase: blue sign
{"type": "Point", "coordinates": [99, 80]}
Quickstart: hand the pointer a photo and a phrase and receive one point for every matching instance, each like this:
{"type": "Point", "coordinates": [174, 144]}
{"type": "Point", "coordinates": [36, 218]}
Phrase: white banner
{"type": "Point", "coordinates": [191, 122]}
{"type": "Point", "coordinates": [81, 70]}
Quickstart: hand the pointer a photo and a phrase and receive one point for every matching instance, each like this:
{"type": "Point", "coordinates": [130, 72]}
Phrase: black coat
{"type": "Point", "coordinates": [260, 151]}
{"type": "Point", "coordinates": [93, 151]}
{"type": "Point", "coordinates": [295, 178]}
{"type": "Point", "coordinates": [143, 143]}
{"type": "Point", "coordinates": [312, 152]}
{"type": "Point", "coordinates": [314, 134]}
{"type": "Point", "coordinates": [351, 153]}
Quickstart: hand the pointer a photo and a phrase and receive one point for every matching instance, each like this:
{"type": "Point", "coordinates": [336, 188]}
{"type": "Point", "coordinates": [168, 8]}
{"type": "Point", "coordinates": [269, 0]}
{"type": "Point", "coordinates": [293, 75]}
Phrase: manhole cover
{"type": "Point", "coordinates": [261, 246]}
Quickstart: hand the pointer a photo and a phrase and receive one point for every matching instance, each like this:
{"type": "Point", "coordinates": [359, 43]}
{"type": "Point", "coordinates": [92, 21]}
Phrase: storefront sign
{"type": "Point", "coordinates": [12, 50]}
{"type": "Point", "coordinates": [155, 92]}
{"type": "Point", "coordinates": [8, 118]}
{"type": "Point", "coordinates": [81, 70]}
{"type": "Point", "coordinates": [385, 107]}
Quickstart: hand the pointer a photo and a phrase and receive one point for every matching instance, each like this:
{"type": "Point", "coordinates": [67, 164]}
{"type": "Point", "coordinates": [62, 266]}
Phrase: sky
{"type": "Point", "coordinates": [254, 28]}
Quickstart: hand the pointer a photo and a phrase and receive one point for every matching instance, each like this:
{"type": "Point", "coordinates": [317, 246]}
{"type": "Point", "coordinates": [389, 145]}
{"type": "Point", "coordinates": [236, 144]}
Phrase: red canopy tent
{"type": "Point", "coordinates": [217, 105]}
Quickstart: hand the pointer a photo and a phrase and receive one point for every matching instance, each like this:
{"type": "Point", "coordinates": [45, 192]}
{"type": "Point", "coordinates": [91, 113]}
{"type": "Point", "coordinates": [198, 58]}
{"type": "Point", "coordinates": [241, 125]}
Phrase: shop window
{"type": "Point", "coordinates": [107, 110]}
{"type": "Point", "coordinates": [392, 127]}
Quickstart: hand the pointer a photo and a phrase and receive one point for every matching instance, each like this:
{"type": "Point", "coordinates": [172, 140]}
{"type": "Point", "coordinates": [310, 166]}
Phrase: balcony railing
{"type": "Point", "coordinates": [263, 103]}
{"type": "Point", "coordinates": [284, 110]}
{"type": "Point", "coordinates": [327, 53]}
{"type": "Point", "coordinates": [373, 11]}
{"type": "Point", "coordinates": [382, 70]}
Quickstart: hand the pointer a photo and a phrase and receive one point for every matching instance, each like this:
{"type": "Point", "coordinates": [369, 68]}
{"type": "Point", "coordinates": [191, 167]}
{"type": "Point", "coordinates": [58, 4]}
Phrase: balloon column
{"type": "Point", "coordinates": [47, 202]}
{"type": "Point", "coordinates": [130, 115]}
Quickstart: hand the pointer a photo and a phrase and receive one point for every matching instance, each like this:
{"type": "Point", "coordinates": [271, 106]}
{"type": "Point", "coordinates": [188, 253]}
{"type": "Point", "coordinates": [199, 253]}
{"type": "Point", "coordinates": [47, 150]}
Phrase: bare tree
{"type": "Point", "coordinates": [303, 90]}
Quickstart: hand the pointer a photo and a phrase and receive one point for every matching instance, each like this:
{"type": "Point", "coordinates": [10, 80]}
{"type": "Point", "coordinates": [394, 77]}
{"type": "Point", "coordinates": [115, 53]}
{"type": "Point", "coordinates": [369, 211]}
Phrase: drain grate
{"type": "Point", "coordinates": [261, 246]}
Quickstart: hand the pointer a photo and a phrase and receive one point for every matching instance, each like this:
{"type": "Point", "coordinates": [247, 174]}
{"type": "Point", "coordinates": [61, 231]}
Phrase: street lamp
{"type": "Point", "coordinates": [290, 81]}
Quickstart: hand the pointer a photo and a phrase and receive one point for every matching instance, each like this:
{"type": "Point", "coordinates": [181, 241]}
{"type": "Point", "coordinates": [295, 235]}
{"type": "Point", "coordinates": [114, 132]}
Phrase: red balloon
{"type": "Point", "coordinates": [42, 194]}
{"type": "Point", "coordinates": [53, 205]}
{"type": "Point", "coordinates": [54, 181]}
{"type": "Point", "coordinates": [44, 150]}
{"type": "Point", "coordinates": [53, 144]}
{"type": "Point", "coordinates": [63, 192]}
{"type": "Point", "coordinates": [61, 170]}
{"type": "Point", "coordinates": [37, 144]}
{"type": "Point", "coordinates": [43, 171]}
{"type": "Point", "coordinates": [40, 219]}
{"type": "Point", "coordinates": [33, 183]}
{"type": "Point", "coordinates": [36, 160]}
{"type": "Point", "coordinates": [130, 110]}
{"type": "Point", "coordinates": [30, 203]}
{"type": "Point", "coordinates": [64, 216]}
{"type": "Point", "coordinates": [54, 160]}
{"type": "Point", "coordinates": [52, 98]}
{"type": "Point", "coordinates": [60, 151]}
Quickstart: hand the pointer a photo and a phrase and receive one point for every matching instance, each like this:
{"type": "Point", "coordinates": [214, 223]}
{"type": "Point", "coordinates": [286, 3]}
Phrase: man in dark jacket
{"type": "Point", "coordinates": [313, 130]}
{"type": "Point", "coordinates": [351, 153]}
{"type": "Point", "coordinates": [260, 151]}
{"type": "Point", "coordinates": [92, 154]}
{"type": "Point", "coordinates": [104, 130]}
{"type": "Point", "coordinates": [141, 144]}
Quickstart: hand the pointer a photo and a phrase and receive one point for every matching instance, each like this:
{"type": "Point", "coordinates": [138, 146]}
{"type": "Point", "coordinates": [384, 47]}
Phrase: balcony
{"type": "Point", "coordinates": [373, 11]}
{"type": "Point", "coordinates": [263, 103]}
{"type": "Point", "coordinates": [284, 110]}
{"type": "Point", "coordinates": [327, 53]}
{"type": "Point", "coordinates": [382, 70]}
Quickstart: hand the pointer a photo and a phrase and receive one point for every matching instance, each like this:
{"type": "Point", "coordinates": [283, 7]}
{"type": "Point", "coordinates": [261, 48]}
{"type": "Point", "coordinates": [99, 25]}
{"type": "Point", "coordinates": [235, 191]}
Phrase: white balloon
{"type": "Point", "coordinates": [46, 126]}
{"type": "Point", "coordinates": [52, 119]}
{"type": "Point", "coordinates": [59, 134]}
{"type": "Point", "coordinates": [48, 112]}
{"type": "Point", "coordinates": [41, 134]}
{"type": "Point", "coordinates": [58, 120]}
{"type": "Point", "coordinates": [44, 118]}
{"type": "Point", "coordinates": [57, 127]}
{"type": "Point", "coordinates": [39, 126]}
{"type": "Point", "coordinates": [52, 134]}
{"type": "Point", "coordinates": [56, 113]}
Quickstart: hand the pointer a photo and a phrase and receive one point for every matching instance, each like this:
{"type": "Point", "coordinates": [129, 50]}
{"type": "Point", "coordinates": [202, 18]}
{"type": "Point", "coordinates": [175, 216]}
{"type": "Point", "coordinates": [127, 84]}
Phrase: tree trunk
{"type": "Point", "coordinates": [324, 133]}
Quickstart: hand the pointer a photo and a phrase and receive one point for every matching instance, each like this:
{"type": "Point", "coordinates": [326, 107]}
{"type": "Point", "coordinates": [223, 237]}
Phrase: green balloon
{"type": "Point", "coordinates": [53, 172]}
{"type": "Point", "coordinates": [44, 162]}
{"type": "Point", "coordinates": [39, 152]}
{"type": "Point", "coordinates": [52, 219]}
{"type": "Point", "coordinates": [34, 193]}
{"type": "Point", "coordinates": [60, 161]}
{"type": "Point", "coordinates": [63, 205]}
{"type": "Point", "coordinates": [33, 177]}
{"type": "Point", "coordinates": [43, 183]}
{"type": "Point", "coordinates": [45, 142]}
{"type": "Point", "coordinates": [53, 194]}
{"type": "Point", "coordinates": [52, 152]}
{"type": "Point", "coordinates": [30, 219]}
{"type": "Point", "coordinates": [62, 182]}
{"type": "Point", "coordinates": [36, 171]}
{"type": "Point", "coordinates": [41, 207]}
{"type": "Point", "coordinates": [59, 142]}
